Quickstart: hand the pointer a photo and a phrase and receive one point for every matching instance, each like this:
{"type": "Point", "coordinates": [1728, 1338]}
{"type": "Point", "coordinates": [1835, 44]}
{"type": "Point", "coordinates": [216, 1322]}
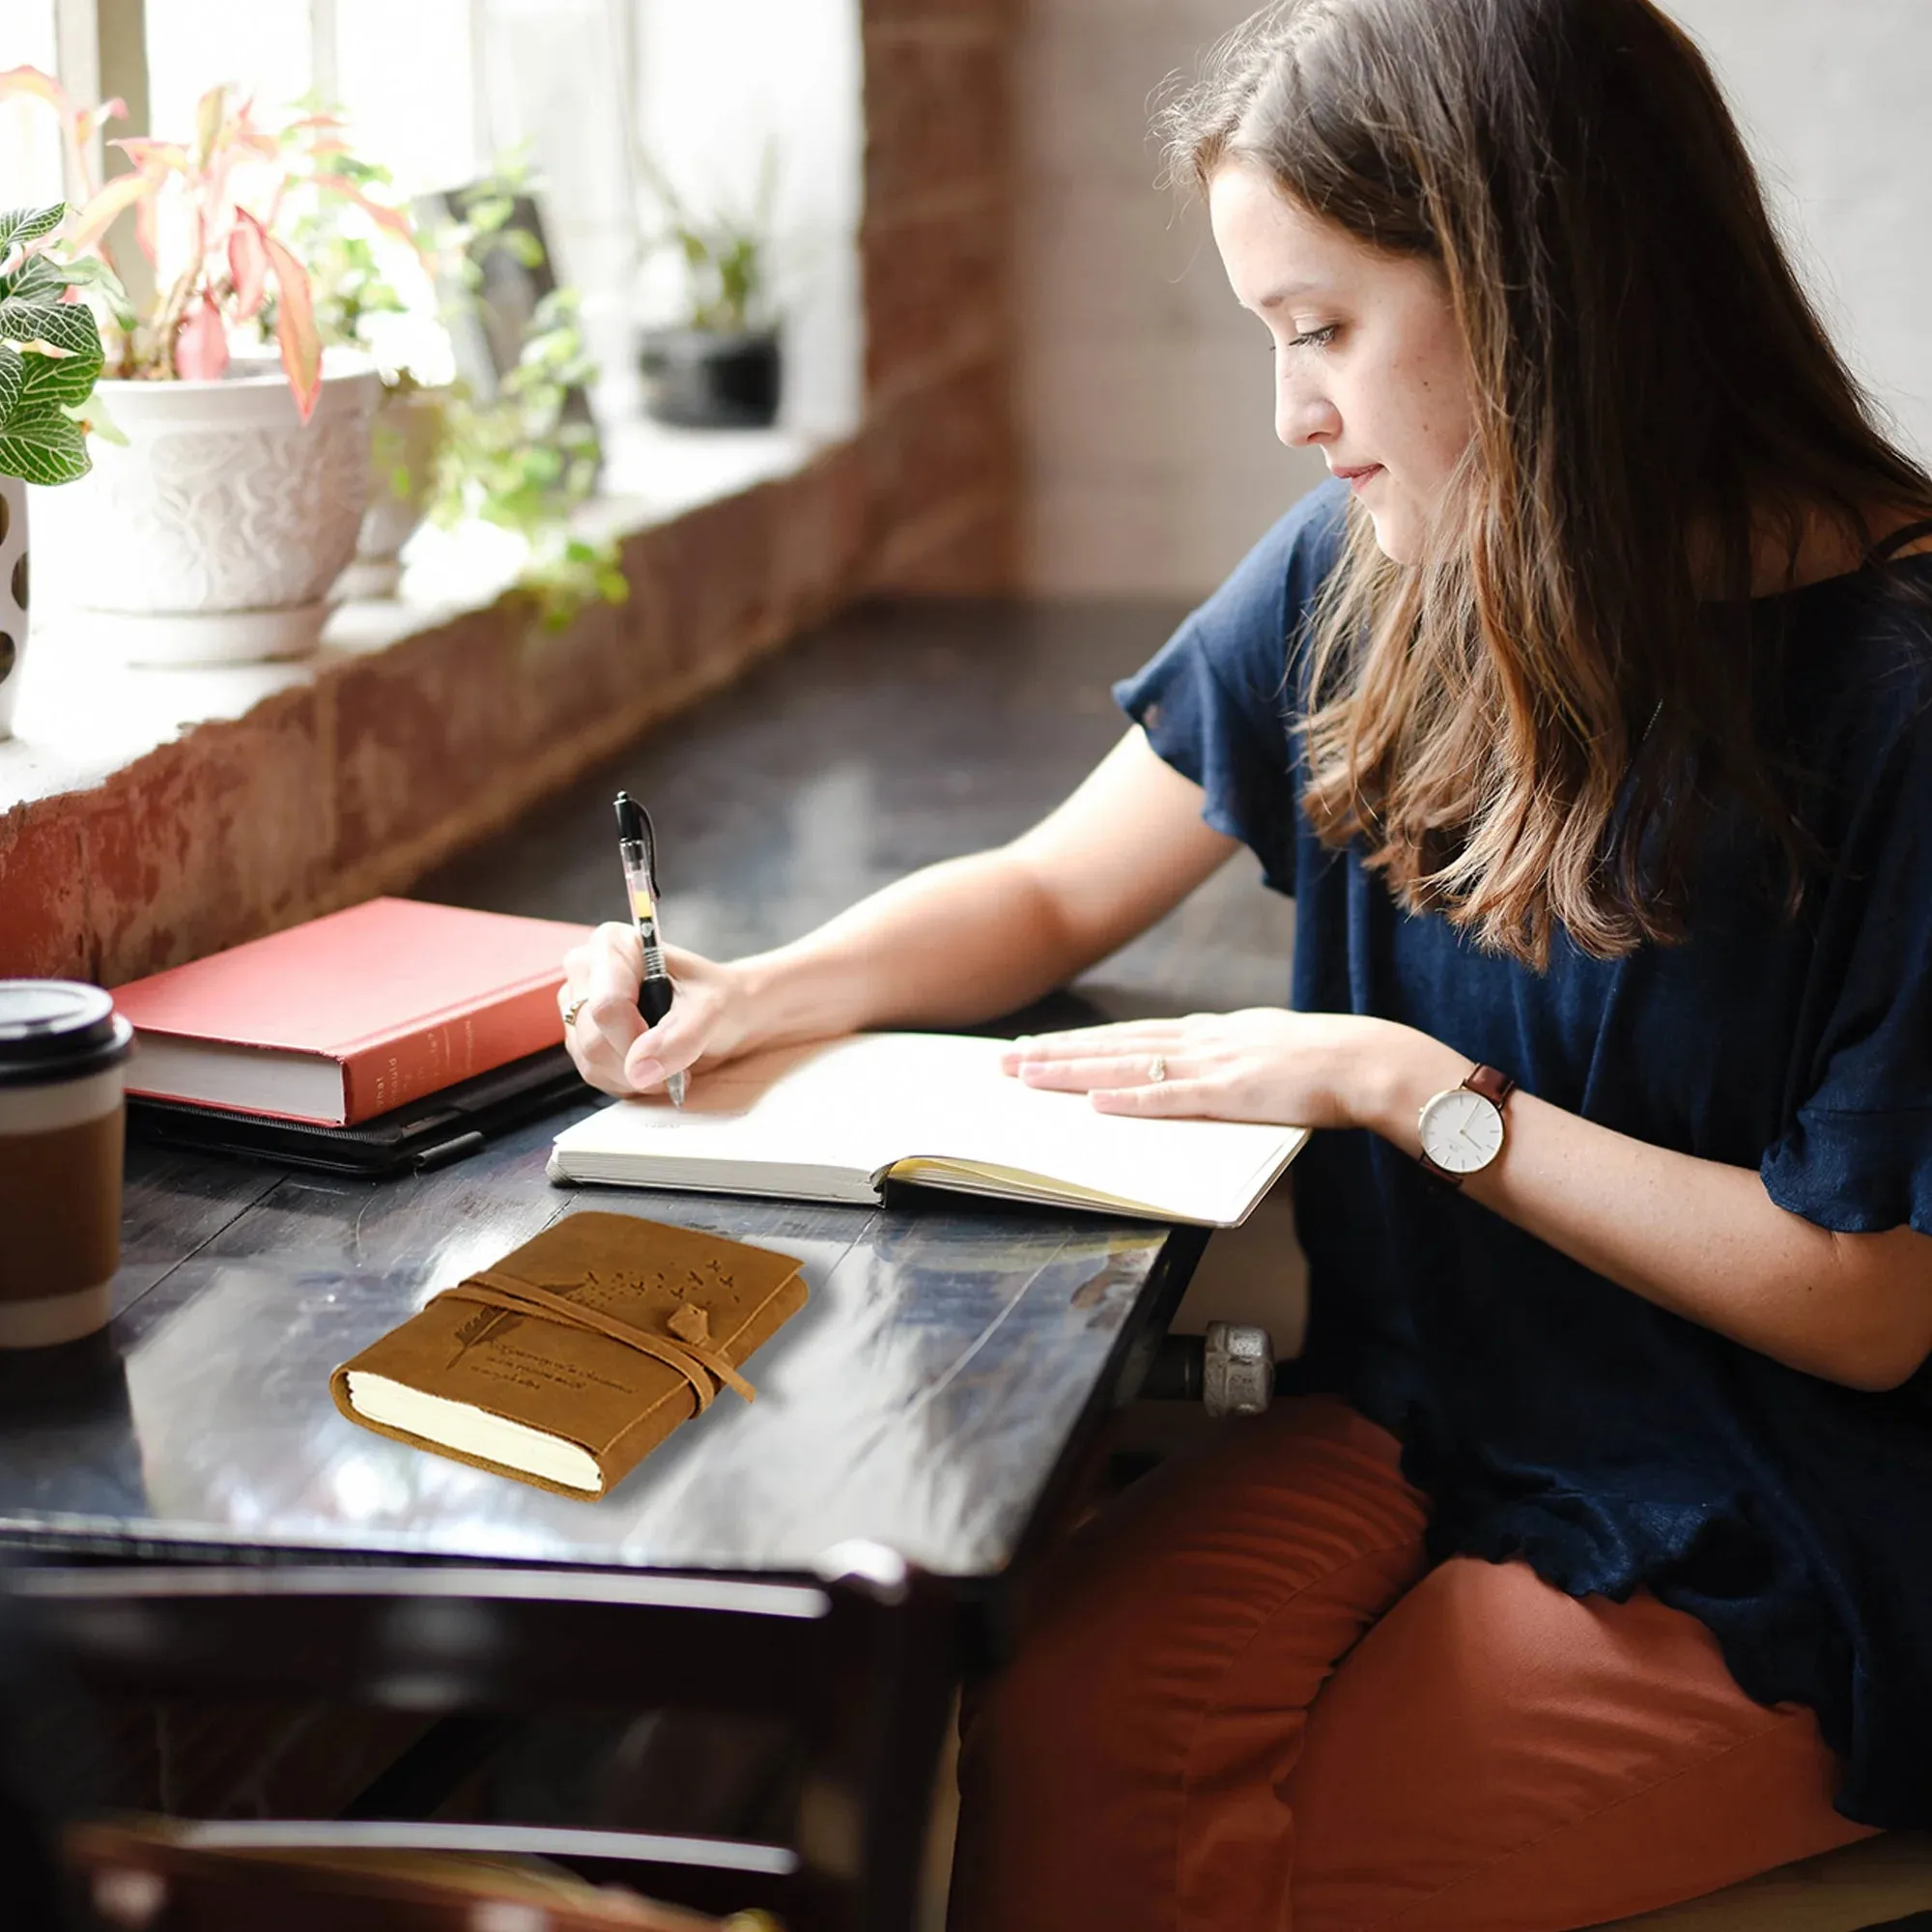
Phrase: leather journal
{"type": "Point", "coordinates": [568, 1361]}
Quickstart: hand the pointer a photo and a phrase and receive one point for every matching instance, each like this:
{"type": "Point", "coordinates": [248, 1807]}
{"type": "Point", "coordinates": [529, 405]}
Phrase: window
{"type": "Point", "coordinates": [30, 157]}
{"type": "Point", "coordinates": [437, 90]}
{"type": "Point", "coordinates": [266, 47]}
{"type": "Point", "coordinates": [717, 85]}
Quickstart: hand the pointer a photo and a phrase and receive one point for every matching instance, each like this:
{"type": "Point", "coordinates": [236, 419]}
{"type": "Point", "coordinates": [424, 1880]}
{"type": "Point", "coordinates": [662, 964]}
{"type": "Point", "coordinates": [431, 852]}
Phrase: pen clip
{"type": "Point", "coordinates": [651, 854]}
{"type": "Point", "coordinates": [635, 830]}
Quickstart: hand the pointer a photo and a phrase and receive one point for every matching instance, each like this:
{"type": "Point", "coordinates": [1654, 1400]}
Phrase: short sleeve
{"type": "Point", "coordinates": [1216, 701]}
{"type": "Point", "coordinates": [1856, 1154]}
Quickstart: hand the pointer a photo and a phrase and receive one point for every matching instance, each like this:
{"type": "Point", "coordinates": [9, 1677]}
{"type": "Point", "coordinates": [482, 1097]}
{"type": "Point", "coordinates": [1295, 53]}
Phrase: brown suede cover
{"type": "Point", "coordinates": [613, 1402]}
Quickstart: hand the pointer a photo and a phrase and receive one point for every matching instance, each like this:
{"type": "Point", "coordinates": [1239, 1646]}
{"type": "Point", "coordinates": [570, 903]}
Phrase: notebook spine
{"type": "Point", "coordinates": [380, 1075]}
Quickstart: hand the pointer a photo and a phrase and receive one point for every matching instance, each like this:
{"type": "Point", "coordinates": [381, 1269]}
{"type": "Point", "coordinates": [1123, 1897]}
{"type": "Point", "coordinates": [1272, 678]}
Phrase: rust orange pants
{"type": "Point", "coordinates": [1245, 1704]}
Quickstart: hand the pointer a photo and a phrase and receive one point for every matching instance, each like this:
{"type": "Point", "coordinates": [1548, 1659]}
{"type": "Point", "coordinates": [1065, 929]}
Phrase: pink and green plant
{"type": "Point", "coordinates": [207, 215]}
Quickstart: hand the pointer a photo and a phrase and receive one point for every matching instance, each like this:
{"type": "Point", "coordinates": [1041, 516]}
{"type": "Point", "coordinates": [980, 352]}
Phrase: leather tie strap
{"type": "Point", "coordinates": [704, 1368]}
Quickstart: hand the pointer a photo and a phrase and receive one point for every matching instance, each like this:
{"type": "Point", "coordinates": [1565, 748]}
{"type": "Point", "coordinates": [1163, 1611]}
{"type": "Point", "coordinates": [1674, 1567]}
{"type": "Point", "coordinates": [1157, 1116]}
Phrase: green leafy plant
{"type": "Point", "coordinates": [726, 255]}
{"type": "Point", "coordinates": [350, 286]}
{"type": "Point", "coordinates": [519, 462]}
{"type": "Point", "coordinates": [50, 351]}
{"type": "Point", "coordinates": [350, 233]}
{"type": "Point", "coordinates": [350, 243]}
{"type": "Point", "coordinates": [525, 458]}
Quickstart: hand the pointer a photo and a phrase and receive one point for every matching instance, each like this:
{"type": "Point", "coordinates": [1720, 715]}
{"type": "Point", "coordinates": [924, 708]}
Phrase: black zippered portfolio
{"type": "Point", "coordinates": [422, 1134]}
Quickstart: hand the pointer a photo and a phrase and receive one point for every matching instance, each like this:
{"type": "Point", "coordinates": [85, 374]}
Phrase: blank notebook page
{"type": "Point", "coordinates": [866, 1103]}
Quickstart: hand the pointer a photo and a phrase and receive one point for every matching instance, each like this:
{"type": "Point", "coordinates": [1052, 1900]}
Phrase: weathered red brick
{"type": "Point", "coordinates": [938, 119]}
{"type": "Point", "coordinates": [940, 14]}
{"type": "Point", "coordinates": [418, 725]}
{"type": "Point", "coordinates": [968, 550]}
{"type": "Point", "coordinates": [949, 439]}
{"type": "Point", "coordinates": [214, 837]}
{"type": "Point", "coordinates": [711, 571]}
{"type": "Point", "coordinates": [934, 286]}
{"type": "Point", "coordinates": [819, 541]}
{"type": "Point", "coordinates": [43, 931]}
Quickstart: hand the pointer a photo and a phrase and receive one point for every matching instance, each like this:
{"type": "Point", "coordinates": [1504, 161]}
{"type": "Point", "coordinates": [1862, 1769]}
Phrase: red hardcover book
{"type": "Point", "coordinates": [346, 1016]}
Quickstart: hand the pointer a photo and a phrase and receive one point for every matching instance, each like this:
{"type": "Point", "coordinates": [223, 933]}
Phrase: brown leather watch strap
{"type": "Point", "coordinates": [1493, 1085]}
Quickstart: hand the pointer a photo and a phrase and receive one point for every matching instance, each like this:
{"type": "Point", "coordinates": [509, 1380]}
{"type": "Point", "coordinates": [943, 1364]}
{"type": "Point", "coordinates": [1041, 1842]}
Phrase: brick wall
{"type": "Point", "coordinates": [378, 767]}
{"type": "Point", "coordinates": [939, 440]}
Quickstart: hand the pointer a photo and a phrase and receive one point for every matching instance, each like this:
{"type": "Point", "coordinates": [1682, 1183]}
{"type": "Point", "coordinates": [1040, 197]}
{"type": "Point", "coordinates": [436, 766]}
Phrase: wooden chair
{"type": "Point", "coordinates": [1879, 1882]}
{"type": "Point", "coordinates": [858, 1663]}
{"type": "Point", "coordinates": [151, 1877]}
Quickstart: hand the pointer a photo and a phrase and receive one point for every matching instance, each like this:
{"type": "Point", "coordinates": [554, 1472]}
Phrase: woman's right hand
{"type": "Point", "coordinates": [613, 1050]}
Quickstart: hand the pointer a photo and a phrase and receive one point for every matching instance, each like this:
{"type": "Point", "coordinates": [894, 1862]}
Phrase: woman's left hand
{"type": "Point", "coordinates": [1265, 1063]}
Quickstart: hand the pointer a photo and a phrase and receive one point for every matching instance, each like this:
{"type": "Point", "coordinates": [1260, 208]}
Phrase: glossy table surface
{"type": "Point", "coordinates": [924, 1398]}
{"type": "Point", "coordinates": [954, 1361]}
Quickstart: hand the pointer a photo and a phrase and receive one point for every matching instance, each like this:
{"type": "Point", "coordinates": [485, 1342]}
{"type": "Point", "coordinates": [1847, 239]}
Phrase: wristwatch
{"type": "Point", "coordinates": [1462, 1128]}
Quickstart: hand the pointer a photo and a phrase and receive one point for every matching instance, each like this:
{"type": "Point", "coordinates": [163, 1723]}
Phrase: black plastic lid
{"type": "Point", "coordinates": [57, 1029]}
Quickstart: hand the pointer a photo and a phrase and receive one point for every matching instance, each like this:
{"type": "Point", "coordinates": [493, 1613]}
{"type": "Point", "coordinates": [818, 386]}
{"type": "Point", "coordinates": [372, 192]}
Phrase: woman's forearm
{"type": "Point", "coordinates": [1697, 1237]}
{"type": "Point", "coordinates": [959, 942]}
{"type": "Point", "coordinates": [976, 937]}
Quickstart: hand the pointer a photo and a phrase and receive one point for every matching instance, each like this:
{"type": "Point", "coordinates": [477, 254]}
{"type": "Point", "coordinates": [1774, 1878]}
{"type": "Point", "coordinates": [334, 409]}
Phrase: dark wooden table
{"type": "Point", "coordinates": [934, 1395]}
{"type": "Point", "coordinates": [950, 1375]}
{"type": "Point", "coordinates": [954, 1361]}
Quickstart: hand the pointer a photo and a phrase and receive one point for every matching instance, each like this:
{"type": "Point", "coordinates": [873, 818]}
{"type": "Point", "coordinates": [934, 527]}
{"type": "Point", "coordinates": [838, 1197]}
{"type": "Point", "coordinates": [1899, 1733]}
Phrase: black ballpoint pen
{"type": "Point", "coordinates": [637, 846]}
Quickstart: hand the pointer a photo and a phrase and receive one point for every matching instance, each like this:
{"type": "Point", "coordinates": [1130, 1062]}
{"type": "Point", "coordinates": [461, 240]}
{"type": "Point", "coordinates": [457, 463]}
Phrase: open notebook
{"type": "Point", "coordinates": [833, 1122]}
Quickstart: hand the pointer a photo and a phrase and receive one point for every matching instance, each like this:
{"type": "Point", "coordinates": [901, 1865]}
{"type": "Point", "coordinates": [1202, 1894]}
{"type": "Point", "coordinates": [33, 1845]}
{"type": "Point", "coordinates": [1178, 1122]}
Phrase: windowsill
{"type": "Point", "coordinates": [150, 817]}
{"type": "Point", "coordinates": [84, 714]}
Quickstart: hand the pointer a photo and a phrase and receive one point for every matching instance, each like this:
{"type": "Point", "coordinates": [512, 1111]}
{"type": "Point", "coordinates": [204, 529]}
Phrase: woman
{"type": "Point", "coordinates": [1585, 716]}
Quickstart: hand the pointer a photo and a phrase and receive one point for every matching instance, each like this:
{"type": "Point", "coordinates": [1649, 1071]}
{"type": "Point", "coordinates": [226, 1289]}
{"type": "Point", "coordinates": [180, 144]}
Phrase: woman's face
{"type": "Point", "coordinates": [1369, 364]}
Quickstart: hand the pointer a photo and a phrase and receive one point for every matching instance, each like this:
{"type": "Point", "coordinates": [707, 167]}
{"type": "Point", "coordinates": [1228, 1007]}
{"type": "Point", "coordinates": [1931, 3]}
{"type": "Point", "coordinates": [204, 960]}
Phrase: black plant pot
{"type": "Point", "coordinates": [700, 378]}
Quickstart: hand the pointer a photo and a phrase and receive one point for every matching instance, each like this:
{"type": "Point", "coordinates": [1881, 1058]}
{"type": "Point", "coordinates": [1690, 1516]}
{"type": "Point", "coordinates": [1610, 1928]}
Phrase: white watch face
{"type": "Point", "coordinates": [1461, 1131]}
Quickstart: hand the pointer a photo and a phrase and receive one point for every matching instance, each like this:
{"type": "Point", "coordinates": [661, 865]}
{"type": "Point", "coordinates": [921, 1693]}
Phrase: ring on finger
{"type": "Point", "coordinates": [575, 1007]}
{"type": "Point", "coordinates": [1158, 1070]}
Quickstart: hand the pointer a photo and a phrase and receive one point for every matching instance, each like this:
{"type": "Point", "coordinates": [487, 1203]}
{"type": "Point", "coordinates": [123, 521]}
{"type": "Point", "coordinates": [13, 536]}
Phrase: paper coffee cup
{"type": "Point", "coordinates": [63, 1054]}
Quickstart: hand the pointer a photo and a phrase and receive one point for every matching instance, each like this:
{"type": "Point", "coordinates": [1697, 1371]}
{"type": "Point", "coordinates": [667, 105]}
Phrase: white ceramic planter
{"type": "Point", "coordinates": [13, 595]}
{"type": "Point", "coordinates": [408, 432]}
{"type": "Point", "coordinates": [214, 535]}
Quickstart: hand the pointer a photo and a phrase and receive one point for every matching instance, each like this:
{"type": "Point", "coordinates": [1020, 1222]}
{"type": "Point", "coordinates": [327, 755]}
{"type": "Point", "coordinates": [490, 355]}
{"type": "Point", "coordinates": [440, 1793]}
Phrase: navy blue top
{"type": "Point", "coordinates": [1546, 1411]}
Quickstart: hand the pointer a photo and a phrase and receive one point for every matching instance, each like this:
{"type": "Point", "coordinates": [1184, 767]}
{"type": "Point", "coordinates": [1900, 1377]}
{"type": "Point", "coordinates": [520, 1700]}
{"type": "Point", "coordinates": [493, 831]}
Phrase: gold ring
{"type": "Point", "coordinates": [575, 1007]}
{"type": "Point", "coordinates": [1158, 1070]}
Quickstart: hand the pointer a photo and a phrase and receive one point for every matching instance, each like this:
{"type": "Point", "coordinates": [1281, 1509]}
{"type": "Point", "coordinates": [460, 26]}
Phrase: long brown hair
{"type": "Point", "coordinates": [1531, 724]}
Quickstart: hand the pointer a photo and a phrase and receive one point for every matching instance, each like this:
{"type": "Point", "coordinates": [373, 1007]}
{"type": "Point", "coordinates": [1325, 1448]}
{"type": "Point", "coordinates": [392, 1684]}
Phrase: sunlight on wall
{"type": "Point", "coordinates": [1147, 397]}
{"type": "Point", "coordinates": [1833, 100]}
